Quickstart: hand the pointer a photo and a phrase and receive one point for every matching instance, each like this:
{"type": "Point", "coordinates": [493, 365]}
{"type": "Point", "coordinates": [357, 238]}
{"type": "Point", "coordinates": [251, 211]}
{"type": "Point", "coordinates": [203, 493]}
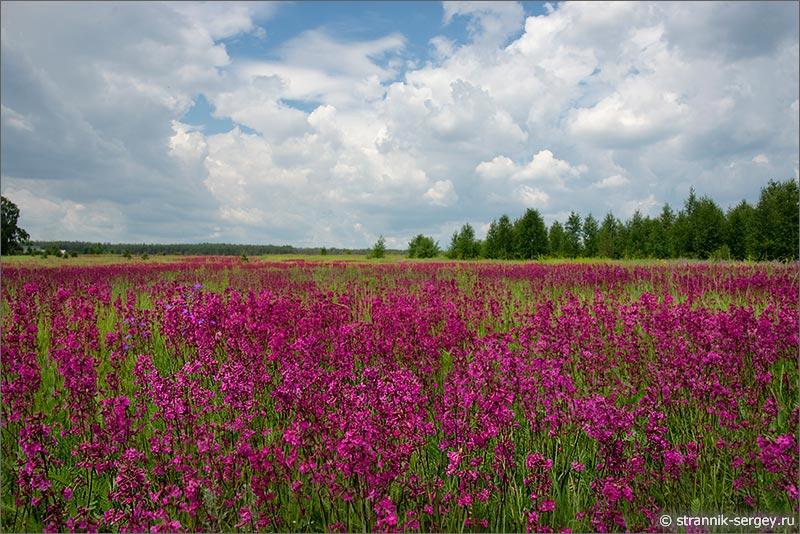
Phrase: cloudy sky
{"type": "Point", "coordinates": [332, 123]}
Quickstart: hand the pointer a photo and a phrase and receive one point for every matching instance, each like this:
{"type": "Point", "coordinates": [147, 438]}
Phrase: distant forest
{"type": "Point", "coordinates": [188, 249]}
{"type": "Point", "coordinates": [766, 231]}
{"type": "Point", "coordinates": [769, 230]}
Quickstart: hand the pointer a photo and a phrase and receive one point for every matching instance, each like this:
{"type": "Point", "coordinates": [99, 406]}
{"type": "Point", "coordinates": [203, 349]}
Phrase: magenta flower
{"type": "Point", "coordinates": [547, 506]}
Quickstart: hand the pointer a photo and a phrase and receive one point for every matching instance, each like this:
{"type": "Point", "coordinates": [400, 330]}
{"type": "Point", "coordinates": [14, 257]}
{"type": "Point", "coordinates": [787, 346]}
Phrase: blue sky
{"type": "Point", "coordinates": [330, 123]}
{"type": "Point", "coordinates": [418, 21]}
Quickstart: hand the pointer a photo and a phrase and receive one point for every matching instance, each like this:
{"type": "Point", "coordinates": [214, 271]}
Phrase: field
{"type": "Point", "coordinates": [212, 394]}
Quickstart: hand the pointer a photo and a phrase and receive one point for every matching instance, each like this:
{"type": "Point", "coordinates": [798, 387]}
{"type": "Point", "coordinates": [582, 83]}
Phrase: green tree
{"type": "Point", "coordinates": [463, 245]}
{"type": "Point", "coordinates": [608, 244]}
{"type": "Point", "coordinates": [13, 237]}
{"type": "Point", "coordinates": [556, 239]}
{"type": "Point", "coordinates": [423, 246]}
{"type": "Point", "coordinates": [740, 231]}
{"type": "Point", "coordinates": [683, 229]}
{"type": "Point", "coordinates": [572, 236]}
{"type": "Point", "coordinates": [636, 236]}
{"type": "Point", "coordinates": [777, 220]}
{"type": "Point", "coordinates": [590, 236]}
{"type": "Point", "coordinates": [661, 238]}
{"type": "Point", "coordinates": [707, 225]}
{"type": "Point", "coordinates": [505, 238]}
{"type": "Point", "coordinates": [490, 244]}
{"type": "Point", "coordinates": [378, 250]}
{"type": "Point", "coordinates": [451, 250]}
{"type": "Point", "coordinates": [530, 235]}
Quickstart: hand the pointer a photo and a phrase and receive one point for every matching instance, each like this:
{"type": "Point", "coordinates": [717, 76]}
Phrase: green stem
{"type": "Point", "coordinates": [89, 495]}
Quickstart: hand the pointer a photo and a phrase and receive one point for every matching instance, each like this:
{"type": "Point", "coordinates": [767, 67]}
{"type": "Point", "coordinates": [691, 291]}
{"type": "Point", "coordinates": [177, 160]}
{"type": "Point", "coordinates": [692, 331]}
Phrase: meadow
{"type": "Point", "coordinates": [213, 394]}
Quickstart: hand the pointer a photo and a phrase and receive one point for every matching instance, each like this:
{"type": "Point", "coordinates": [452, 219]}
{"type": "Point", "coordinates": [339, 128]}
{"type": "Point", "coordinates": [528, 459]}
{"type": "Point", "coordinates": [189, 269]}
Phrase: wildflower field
{"type": "Point", "coordinates": [218, 395]}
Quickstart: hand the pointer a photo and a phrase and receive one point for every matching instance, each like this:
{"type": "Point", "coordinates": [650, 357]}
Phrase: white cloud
{"type": "Point", "coordinates": [442, 193]}
{"type": "Point", "coordinates": [761, 159]}
{"type": "Point", "coordinates": [57, 216]}
{"type": "Point", "coordinates": [499, 167]}
{"type": "Point", "coordinates": [188, 144]}
{"type": "Point", "coordinates": [544, 167]}
{"type": "Point", "coordinates": [256, 103]}
{"type": "Point", "coordinates": [621, 121]}
{"type": "Point", "coordinates": [616, 180]}
{"type": "Point", "coordinates": [317, 67]}
{"type": "Point", "coordinates": [532, 197]}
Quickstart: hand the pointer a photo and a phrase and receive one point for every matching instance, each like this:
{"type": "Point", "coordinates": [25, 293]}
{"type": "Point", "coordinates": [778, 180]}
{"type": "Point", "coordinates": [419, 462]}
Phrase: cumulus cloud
{"type": "Point", "coordinates": [532, 197]}
{"type": "Point", "coordinates": [543, 167]}
{"type": "Point", "coordinates": [498, 167]}
{"type": "Point", "coordinates": [188, 144]}
{"type": "Point", "coordinates": [619, 122]}
{"type": "Point", "coordinates": [337, 140]}
{"type": "Point", "coordinates": [442, 193]}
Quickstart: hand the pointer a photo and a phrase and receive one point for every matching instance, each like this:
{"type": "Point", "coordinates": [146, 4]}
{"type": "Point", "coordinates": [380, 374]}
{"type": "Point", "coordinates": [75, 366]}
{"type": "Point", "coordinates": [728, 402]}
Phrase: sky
{"type": "Point", "coordinates": [331, 123]}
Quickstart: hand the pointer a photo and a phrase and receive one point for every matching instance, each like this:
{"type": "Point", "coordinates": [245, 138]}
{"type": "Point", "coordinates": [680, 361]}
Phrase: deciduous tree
{"type": "Point", "coordinates": [530, 235]}
{"type": "Point", "coordinates": [13, 237]}
{"type": "Point", "coordinates": [777, 221]}
{"type": "Point", "coordinates": [423, 246]}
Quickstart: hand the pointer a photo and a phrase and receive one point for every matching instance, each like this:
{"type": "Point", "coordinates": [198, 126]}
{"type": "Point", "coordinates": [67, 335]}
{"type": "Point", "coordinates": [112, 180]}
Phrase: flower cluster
{"type": "Point", "coordinates": [212, 395]}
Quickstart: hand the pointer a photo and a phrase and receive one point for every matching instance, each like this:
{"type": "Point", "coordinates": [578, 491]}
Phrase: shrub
{"type": "Point", "coordinates": [723, 253]}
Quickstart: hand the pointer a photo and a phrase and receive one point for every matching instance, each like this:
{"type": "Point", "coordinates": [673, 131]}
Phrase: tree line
{"type": "Point", "coordinates": [182, 249]}
{"type": "Point", "coordinates": [766, 231]}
